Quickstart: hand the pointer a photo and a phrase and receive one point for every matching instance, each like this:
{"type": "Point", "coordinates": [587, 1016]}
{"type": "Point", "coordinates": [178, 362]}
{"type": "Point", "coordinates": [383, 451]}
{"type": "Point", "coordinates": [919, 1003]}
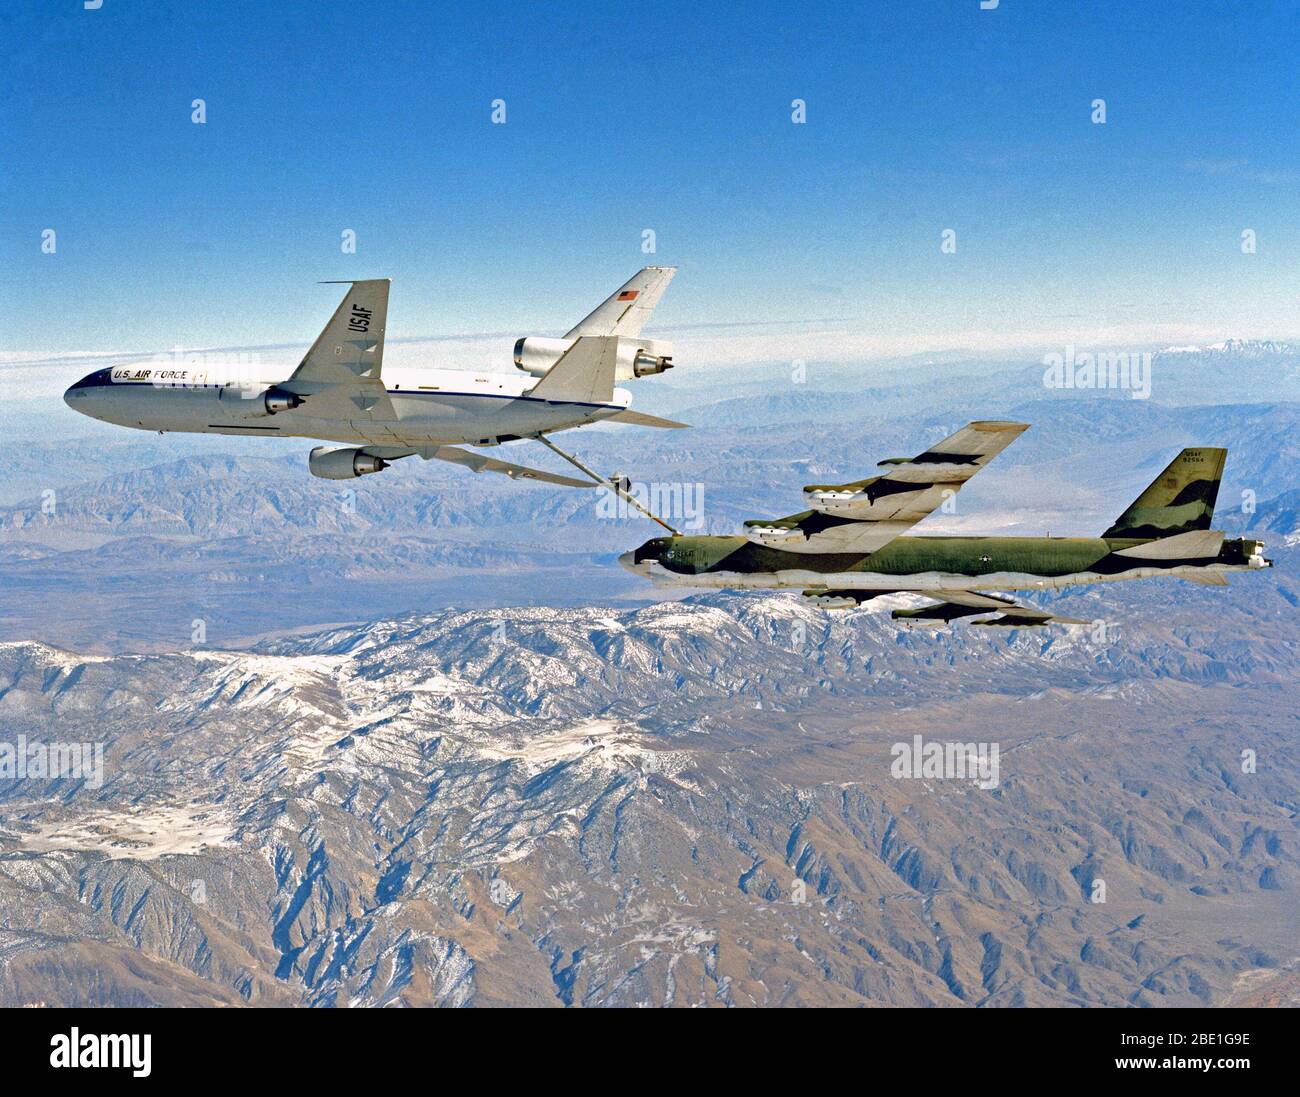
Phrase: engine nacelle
{"type": "Point", "coordinates": [642, 359]}
{"type": "Point", "coordinates": [277, 399]}
{"type": "Point", "coordinates": [836, 500]}
{"type": "Point", "coordinates": [254, 401]}
{"type": "Point", "coordinates": [775, 536]}
{"type": "Point", "coordinates": [536, 355]}
{"type": "Point", "coordinates": [832, 600]}
{"type": "Point", "coordinates": [346, 463]}
{"type": "Point", "coordinates": [838, 598]}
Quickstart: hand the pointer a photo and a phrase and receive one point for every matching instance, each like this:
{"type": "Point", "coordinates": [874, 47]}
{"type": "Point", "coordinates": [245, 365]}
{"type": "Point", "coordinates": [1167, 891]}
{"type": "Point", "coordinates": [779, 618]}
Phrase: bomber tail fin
{"type": "Point", "coordinates": [1179, 500]}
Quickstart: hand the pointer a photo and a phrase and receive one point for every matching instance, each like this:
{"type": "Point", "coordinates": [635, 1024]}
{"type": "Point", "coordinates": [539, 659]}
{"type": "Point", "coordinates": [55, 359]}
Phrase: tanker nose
{"type": "Point", "coordinates": [86, 396]}
{"type": "Point", "coordinates": [78, 395]}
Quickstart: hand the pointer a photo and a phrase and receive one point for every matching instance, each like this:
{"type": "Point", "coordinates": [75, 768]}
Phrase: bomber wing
{"type": "Point", "coordinates": [968, 603]}
{"type": "Point", "coordinates": [955, 604]}
{"type": "Point", "coordinates": [865, 515]}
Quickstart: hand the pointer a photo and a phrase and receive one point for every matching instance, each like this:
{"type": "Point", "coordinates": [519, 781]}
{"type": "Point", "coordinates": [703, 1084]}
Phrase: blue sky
{"type": "Point", "coordinates": [675, 117]}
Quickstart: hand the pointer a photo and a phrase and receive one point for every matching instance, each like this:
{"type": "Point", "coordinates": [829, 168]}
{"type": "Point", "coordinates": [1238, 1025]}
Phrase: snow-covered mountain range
{"type": "Point", "coordinates": [685, 803]}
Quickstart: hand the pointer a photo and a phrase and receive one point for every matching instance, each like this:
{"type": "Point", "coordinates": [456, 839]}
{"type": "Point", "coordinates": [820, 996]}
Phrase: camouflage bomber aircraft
{"type": "Point", "coordinates": [847, 549]}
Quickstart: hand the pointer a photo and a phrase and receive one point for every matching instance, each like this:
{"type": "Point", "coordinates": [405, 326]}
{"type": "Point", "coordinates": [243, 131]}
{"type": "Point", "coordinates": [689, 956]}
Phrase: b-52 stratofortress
{"type": "Point", "coordinates": [847, 548]}
{"type": "Point", "coordinates": [342, 392]}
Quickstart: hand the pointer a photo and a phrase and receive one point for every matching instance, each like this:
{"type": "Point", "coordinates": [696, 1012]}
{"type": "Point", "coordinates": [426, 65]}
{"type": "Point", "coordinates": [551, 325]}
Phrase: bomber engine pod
{"type": "Point", "coordinates": [346, 463]}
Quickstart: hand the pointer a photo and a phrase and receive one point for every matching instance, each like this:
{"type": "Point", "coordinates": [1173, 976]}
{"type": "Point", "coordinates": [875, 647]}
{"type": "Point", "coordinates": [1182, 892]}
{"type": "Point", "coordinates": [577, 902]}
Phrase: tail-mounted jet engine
{"type": "Point", "coordinates": [636, 357]}
{"type": "Point", "coordinates": [346, 463]}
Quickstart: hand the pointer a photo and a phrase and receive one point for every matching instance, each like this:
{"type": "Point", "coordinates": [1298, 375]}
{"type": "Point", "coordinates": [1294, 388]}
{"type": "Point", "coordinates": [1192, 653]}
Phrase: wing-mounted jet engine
{"type": "Point", "coordinates": [343, 463]}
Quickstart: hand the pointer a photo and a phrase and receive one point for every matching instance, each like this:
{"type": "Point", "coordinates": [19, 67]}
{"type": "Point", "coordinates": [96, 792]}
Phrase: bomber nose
{"type": "Point", "coordinates": [648, 553]}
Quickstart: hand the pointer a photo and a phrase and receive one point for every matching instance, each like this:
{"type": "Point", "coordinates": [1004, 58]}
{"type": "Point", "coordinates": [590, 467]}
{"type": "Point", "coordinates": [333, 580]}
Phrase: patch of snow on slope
{"type": "Point", "coordinates": [138, 833]}
{"type": "Point", "coordinates": [598, 742]}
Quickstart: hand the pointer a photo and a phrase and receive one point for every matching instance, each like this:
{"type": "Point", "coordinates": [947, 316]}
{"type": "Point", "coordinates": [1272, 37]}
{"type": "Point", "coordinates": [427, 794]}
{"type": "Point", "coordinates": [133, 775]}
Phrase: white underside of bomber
{"type": "Point", "coordinates": [935, 582]}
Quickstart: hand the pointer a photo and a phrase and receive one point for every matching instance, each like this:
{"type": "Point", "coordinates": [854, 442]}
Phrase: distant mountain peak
{"type": "Point", "coordinates": [1242, 348]}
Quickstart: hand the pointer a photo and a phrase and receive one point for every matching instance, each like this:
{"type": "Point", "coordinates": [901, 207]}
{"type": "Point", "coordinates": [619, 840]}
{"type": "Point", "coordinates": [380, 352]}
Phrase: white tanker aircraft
{"type": "Point", "coordinates": [341, 391]}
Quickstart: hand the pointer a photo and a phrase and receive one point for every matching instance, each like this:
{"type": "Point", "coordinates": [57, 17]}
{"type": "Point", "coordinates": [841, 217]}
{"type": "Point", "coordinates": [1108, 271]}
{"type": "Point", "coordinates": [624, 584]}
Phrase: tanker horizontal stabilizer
{"type": "Point", "coordinates": [641, 419]}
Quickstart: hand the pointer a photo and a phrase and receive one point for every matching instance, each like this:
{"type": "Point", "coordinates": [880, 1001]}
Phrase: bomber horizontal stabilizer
{"type": "Point", "coordinates": [1197, 544]}
{"type": "Point", "coordinates": [1206, 578]}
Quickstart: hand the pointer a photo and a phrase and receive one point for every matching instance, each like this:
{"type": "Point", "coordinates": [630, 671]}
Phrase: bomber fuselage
{"type": "Point", "coordinates": [920, 563]}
